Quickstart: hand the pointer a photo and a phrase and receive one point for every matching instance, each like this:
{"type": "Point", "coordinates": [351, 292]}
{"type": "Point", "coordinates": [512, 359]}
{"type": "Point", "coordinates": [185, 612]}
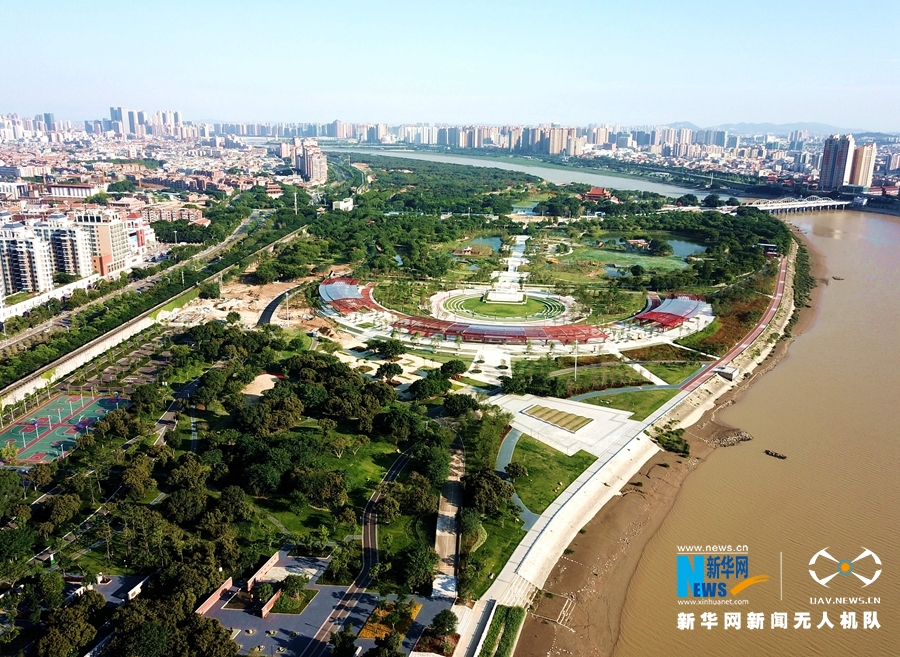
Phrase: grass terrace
{"type": "Point", "coordinates": [549, 472]}
{"type": "Point", "coordinates": [641, 403]}
{"type": "Point", "coordinates": [673, 373]}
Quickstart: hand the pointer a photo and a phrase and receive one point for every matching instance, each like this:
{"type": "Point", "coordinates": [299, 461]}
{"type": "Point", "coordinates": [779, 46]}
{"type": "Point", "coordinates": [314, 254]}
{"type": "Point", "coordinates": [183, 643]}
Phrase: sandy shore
{"type": "Point", "coordinates": [600, 562]}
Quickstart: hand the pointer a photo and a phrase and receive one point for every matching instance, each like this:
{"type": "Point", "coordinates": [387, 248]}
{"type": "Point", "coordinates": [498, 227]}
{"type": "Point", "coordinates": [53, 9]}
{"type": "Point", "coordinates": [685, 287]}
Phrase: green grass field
{"type": "Point", "coordinates": [546, 468]}
{"type": "Point", "coordinates": [624, 259]}
{"type": "Point", "coordinates": [561, 419]}
{"type": "Point", "coordinates": [642, 403]}
{"type": "Point", "coordinates": [503, 310]}
{"type": "Point", "coordinates": [503, 535]}
{"type": "Point", "coordinates": [673, 373]}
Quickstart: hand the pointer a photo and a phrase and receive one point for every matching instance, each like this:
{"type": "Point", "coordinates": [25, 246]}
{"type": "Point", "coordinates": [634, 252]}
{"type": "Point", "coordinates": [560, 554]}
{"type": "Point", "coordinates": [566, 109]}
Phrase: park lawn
{"type": "Point", "coordinates": [438, 357]}
{"type": "Point", "coordinates": [673, 373]}
{"type": "Point", "coordinates": [479, 307]}
{"type": "Point", "coordinates": [624, 259]}
{"type": "Point", "coordinates": [97, 562]}
{"type": "Point", "coordinates": [473, 382]}
{"type": "Point", "coordinates": [641, 403]}
{"type": "Point", "coordinates": [288, 605]}
{"type": "Point", "coordinates": [398, 535]}
{"type": "Point", "coordinates": [547, 467]}
{"type": "Point", "coordinates": [601, 378]}
{"type": "Point", "coordinates": [503, 535]}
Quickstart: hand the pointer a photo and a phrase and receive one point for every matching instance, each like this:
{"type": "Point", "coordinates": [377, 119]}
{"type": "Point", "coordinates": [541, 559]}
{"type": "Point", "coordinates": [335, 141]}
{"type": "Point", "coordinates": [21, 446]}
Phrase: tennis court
{"type": "Point", "coordinates": [49, 432]}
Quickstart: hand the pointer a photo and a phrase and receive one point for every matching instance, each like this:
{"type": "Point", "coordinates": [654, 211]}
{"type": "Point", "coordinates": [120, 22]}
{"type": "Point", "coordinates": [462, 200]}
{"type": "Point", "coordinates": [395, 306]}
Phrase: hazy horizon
{"type": "Point", "coordinates": [647, 63]}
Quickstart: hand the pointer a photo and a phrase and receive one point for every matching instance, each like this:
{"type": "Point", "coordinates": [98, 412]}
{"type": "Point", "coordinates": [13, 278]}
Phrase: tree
{"type": "Point", "coordinates": [344, 642]}
{"type": "Point", "coordinates": [516, 470]}
{"type": "Point", "coordinates": [453, 368]}
{"type": "Point", "coordinates": [390, 348]}
{"type": "Point", "coordinates": [265, 592]}
{"type": "Point", "coordinates": [233, 317]}
{"type": "Point", "coordinates": [486, 492]}
{"type": "Point", "coordinates": [388, 646]}
{"type": "Point", "coordinates": [712, 201]}
{"type": "Point", "coordinates": [637, 270]}
{"type": "Point", "coordinates": [150, 640]}
{"type": "Point", "coordinates": [9, 452]}
{"type": "Point", "coordinates": [444, 624]}
{"type": "Point", "coordinates": [688, 199]}
{"type": "Point", "coordinates": [388, 371]}
{"type": "Point", "coordinates": [732, 201]}
{"type": "Point", "coordinates": [431, 386]}
{"type": "Point", "coordinates": [456, 405]}
{"type": "Point", "coordinates": [10, 490]}
{"type": "Point", "coordinates": [387, 508]}
{"type": "Point", "coordinates": [418, 562]}
{"type": "Point", "coordinates": [137, 477]}
{"type": "Point", "coordinates": [148, 398]}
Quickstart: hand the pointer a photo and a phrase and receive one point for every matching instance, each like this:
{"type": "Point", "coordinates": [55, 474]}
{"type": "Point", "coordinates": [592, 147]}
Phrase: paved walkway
{"type": "Point", "coordinates": [447, 533]}
{"type": "Point", "coordinates": [504, 456]}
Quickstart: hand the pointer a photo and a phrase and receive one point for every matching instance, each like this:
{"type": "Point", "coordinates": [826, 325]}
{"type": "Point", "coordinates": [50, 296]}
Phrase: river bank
{"type": "Point", "coordinates": [599, 564]}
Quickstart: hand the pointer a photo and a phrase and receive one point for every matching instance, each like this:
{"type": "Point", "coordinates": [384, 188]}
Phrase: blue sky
{"type": "Point", "coordinates": [566, 61]}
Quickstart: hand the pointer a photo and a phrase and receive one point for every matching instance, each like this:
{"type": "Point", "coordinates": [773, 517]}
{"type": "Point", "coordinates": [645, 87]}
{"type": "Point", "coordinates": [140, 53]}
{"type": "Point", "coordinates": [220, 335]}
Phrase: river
{"type": "Point", "coordinates": [829, 406]}
{"type": "Point", "coordinates": [552, 174]}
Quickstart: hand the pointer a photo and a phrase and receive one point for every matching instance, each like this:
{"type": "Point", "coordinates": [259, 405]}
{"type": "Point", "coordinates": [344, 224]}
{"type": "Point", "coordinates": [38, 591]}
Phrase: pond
{"type": "Point", "coordinates": [493, 242]}
{"type": "Point", "coordinates": [683, 248]}
{"type": "Point", "coordinates": [613, 272]}
{"type": "Point", "coordinates": [398, 260]}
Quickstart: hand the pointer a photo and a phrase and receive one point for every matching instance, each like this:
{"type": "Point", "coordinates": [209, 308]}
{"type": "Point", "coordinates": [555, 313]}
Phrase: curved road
{"type": "Point", "coordinates": [739, 348]}
{"type": "Point", "coordinates": [319, 645]}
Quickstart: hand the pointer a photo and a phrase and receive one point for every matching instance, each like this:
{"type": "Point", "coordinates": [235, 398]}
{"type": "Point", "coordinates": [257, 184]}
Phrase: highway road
{"type": "Point", "coordinates": [319, 645]}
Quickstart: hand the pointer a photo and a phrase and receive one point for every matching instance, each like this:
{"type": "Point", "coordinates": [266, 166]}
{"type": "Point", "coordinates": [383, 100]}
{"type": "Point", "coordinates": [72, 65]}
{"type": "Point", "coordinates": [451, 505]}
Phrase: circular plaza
{"type": "Point", "coordinates": [478, 306]}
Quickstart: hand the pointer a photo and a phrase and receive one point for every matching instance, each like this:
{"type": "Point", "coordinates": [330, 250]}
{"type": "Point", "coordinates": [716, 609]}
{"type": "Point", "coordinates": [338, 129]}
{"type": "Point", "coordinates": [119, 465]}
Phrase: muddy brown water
{"type": "Point", "coordinates": [832, 407]}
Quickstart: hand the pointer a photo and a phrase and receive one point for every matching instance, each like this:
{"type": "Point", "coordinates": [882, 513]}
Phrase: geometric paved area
{"type": "Point", "coordinates": [558, 418]}
{"type": "Point", "coordinates": [49, 431]}
{"type": "Point", "coordinates": [567, 425]}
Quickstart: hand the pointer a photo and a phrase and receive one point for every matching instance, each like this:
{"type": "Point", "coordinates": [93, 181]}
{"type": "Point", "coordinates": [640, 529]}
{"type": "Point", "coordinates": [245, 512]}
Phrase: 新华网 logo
{"type": "Point", "coordinates": [845, 567]}
{"type": "Point", "coordinates": [714, 575]}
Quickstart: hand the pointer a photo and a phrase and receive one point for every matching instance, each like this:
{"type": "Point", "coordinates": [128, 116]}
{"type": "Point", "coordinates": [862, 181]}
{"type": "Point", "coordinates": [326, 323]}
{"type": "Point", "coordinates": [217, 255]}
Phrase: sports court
{"type": "Point", "coordinates": [49, 431]}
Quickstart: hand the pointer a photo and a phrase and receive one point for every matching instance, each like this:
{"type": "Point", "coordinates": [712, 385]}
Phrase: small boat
{"type": "Point", "coordinates": [769, 452]}
{"type": "Point", "coordinates": [838, 278]}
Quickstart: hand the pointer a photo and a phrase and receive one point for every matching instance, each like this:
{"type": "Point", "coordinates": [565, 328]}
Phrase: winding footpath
{"type": "Point", "coordinates": [319, 644]}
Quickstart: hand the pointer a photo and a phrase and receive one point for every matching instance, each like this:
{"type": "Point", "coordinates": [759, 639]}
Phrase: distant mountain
{"type": "Point", "coordinates": [684, 124]}
{"type": "Point", "coordinates": [776, 128]}
{"type": "Point", "coordinates": [782, 128]}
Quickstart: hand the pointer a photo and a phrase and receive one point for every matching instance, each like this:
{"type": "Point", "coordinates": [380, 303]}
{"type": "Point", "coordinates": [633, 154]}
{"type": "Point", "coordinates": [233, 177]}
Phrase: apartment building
{"type": "Point", "coordinates": [108, 239]}
{"type": "Point", "coordinates": [26, 260]}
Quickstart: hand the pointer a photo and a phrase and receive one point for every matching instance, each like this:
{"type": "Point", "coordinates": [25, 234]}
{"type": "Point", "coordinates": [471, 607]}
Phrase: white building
{"type": "Point", "coordinates": [70, 245]}
{"type": "Point", "coordinates": [26, 261]}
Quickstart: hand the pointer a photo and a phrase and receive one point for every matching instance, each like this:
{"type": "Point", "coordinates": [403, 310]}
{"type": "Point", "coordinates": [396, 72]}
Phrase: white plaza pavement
{"type": "Point", "coordinates": [609, 428]}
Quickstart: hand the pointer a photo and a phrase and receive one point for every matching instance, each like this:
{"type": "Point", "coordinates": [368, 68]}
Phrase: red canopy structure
{"type": "Point", "coordinates": [671, 312]}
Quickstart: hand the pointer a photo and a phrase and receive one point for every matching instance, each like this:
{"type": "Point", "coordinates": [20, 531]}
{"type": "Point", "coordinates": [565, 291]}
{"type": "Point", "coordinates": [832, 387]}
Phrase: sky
{"type": "Point", "coordinates": [573, 62]}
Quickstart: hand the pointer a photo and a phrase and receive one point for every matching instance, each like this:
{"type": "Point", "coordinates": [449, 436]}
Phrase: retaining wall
{"type": "Point", "coordinates": [83, 355]}
{"type": "Point", "coordinates": [39, 300]}
{"type": "Point", "coordinates": [266, 567]}
{"type": "Point", "coordinates": [266, 608]}
{"type": "Point", "coordinates": [215, 597]}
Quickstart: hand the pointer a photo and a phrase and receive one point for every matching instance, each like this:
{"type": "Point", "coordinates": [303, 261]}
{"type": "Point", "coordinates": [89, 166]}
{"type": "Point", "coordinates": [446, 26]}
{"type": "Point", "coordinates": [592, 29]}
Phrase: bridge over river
{"type": "Point", "coordinates": [808, 204]}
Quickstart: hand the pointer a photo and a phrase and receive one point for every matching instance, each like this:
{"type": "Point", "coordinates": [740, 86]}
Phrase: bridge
{"type": "Point", "coordinates": [808, 204]}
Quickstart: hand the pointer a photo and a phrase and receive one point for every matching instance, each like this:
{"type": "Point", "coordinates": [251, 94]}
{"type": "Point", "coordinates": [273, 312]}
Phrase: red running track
{"type": "Point", "coordinates": [739, 348]}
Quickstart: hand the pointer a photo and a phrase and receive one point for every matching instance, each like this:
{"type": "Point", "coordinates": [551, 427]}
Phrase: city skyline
{"type": "Point", "coordinates": [501, 63]}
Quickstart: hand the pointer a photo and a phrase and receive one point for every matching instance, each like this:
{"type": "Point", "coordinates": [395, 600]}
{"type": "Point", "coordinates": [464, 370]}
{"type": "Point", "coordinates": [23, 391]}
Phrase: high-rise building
{"type": "Point", "coordinates": [863, 165]}
{"type": "Point", "coordinates": [48, 120]}
{"type": "Point", "coordinates": [108, 239]}
{"type": "Point", "coordinates": [26, 263]}
{"type": "Point", "coordinates": [70, 245]}
{"type": "Point", "coordinates": [837, 162]}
